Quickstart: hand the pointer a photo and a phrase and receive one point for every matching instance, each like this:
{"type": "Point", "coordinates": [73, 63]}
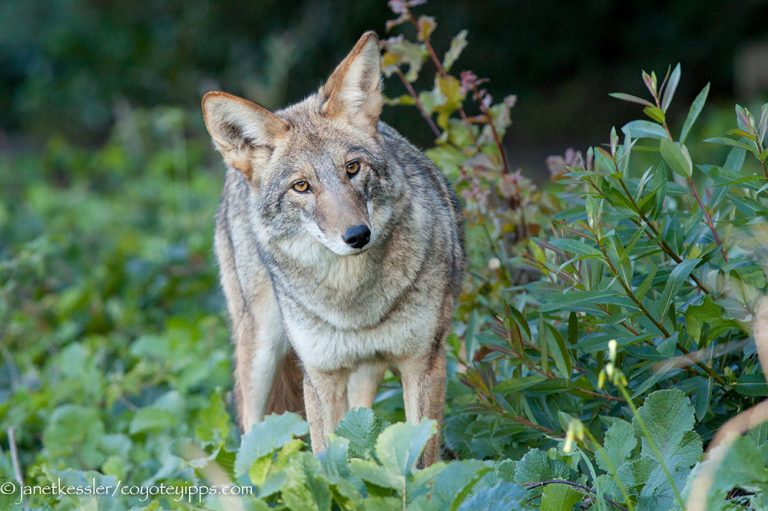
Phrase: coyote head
{"type": "Point", "coordinates": [316, 168]}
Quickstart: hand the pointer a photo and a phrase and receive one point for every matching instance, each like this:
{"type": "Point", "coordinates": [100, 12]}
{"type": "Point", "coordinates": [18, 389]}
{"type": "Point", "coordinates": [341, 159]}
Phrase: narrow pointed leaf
{"type": "Point", "coordinates": [677, 157]}
{"type": "Point", "coordinates": [693, 113]}
{"type": "Point", "coordinates": [669, 91]}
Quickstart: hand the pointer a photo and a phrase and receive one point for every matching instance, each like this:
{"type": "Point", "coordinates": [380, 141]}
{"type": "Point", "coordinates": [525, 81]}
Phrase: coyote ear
{"type": "Point", "coordinates": [241, 130]}
{"type": "Point", "coordinates": [354, 89]}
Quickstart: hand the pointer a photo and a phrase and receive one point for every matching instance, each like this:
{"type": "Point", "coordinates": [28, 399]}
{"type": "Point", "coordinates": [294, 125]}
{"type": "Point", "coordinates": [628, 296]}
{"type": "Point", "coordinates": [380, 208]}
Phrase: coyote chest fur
{"type": "Point", "coordinates": [339, 244]}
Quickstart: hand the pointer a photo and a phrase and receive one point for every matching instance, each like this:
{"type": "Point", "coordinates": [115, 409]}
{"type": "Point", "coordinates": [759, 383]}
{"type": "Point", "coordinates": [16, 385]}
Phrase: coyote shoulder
{"type": "Point", "coordinates": [340, 252]}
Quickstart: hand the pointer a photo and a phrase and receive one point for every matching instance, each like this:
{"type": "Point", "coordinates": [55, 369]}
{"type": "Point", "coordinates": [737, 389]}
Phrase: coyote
{"type": "Point", "coordinates": [340, 248]}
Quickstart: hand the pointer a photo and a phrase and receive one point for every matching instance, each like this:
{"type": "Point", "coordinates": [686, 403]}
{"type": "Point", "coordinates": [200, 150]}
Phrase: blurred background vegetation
{"type": "Point", "coordinates": [72, 67]}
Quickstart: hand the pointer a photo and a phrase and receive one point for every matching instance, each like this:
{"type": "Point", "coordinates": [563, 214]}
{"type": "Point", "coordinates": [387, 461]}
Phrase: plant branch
{"type": "Point", "coordinates": [489, 119]}
{"type": "Point", "coordinates": [630, 293]}
{"type": "Point", "coordinates": [419, 105]}
{"type": "Point", "coordinates": [14, 455]}
{"type": "Point", "coordinates": [15, 459]}
{"type": "Point", "coordinates": [708, 217]}
{"type": "Point", "coordinates": [584, 489]}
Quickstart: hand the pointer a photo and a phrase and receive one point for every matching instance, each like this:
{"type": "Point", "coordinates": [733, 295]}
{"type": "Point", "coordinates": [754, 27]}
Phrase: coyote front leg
{"type": "Point", "coordinates": [423, 379]}
{"type": "Point", "coordinates": [325, 400]}
{"type": "Point", "coordinates": [364, 383]}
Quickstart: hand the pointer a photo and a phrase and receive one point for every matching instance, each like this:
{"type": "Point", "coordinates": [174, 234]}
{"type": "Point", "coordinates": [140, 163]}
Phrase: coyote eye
{"type": "Point", "coordinates": [301, 186]}
{"type": "Point", "coordinates": [353, 168]}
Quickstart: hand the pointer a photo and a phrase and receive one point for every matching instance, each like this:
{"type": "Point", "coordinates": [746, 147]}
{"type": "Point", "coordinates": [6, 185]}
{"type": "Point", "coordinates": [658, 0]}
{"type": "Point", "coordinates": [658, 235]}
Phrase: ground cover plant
{"type": "Point", "coordinates": [603, 338]}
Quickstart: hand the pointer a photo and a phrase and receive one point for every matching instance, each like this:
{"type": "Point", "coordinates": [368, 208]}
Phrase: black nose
{"type": "Point", "coordinates": [357, 236]}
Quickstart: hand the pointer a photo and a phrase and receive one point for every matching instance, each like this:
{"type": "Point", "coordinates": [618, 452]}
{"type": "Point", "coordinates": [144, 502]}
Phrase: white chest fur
{"type": "Point", "coordinates": [408, 329]}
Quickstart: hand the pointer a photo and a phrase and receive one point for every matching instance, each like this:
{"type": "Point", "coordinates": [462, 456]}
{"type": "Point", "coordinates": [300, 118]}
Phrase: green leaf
{"type": "Point", "coordinates": [655, 113]}
{"type": "Point", "coordinates": [693, 113]}
{"type": "Point", "coordinates": [213, 420]}
{"type": "Point", "coordinates": [560, 354]}
{"type": "Point", "coordinates": [753, 385]}
{"type": "Point", "coordinates": [576, 247]}
{"type": "Point", "coordinates": [427, 25]}
{"type": "Point", "coordinates": [677, 157]}
{"type": "Point", "coordinates": [741, 133]}
{"type": "Point", "coordinates": [458, 43]}
{"type": "Point", "coordinates": [151, 418]}
{"type": "Point", "coordinates": [729, 142]}
{"type": "Point", "coordinates": [742, 466]}
{"type": "Point", "coordinates": [266, 437]}
{"type": "Point", "coordinates": [677, 277]}
{"type": "Point", "coordinates": [449, 98]}
{"type": "Point", "coordinates": [268, 471]}
{"type": "Point", "coordinates": [669, 417]}
{"type": "Point", "coordinates": [403, 51]}
{"type": "Point", "coordinates": [305, 489]}
{"type": "Point", "coordinates": [361, 427]}
{"type": "Point", "coordinates": [696, 316]}
{"type": "Point", "coordinates": [536, 465]}
{"type": "Point", "coordinates": [74, 432]}
{"type": "Point", "coordinates": [450, 482]}
{"type": "Point", "coordinates": [594, 207]}
{"type": "Point", "coordinates": [381, 504]}
{"type": "Point", "coordinates": [587, 300]}
{"type": "Point", "coordinates": [399, 446]}
{"type": "Point", "coordinates": [370, 471]}
{"type": "Point", "coordinates": [618, 444]}
{"type": "Point", "coordinates": [573, 328]}
{"type": "Point", "coordinates": [644, 129]}
{"type": "Point", "coordinates": [503, 495]}
{"type": "Point", "coordinates": [634, 473]}
{"type": "Point", "coordinates": [629, 97]}
{"type": "Point", "coordinates": [559, 497]}
{"type": "Point", "coordinates": [671, 87]}
{"type": "Point", "coordinates": [735, 160]}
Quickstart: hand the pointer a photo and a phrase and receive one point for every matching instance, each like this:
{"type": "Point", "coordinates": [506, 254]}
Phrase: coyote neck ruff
{"type": "Point", "coordinates": [338, 241]}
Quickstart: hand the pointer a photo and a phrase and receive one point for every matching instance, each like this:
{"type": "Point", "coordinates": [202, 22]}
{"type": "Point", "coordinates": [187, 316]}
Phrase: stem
{"type": "Point", "coordinates": [14, 455]}
{"type": "Point", "coordinates": [522, 420]}
{"type": "Point", "coordinates": [612, 468]}
{"type": "Point", "coordinates": [630, 293]}
{"type": "Point", "coordinates": [671, 253]}
{"type": "Point", "coordinates": [765, 169]}
{"type": "Point", "coordinates": [584, 489]}
{"type": "Point", "coordinates": [708, 217]}
{"type": "Point", "coordinates": [418, 102]}
{"type": "Point", "coordinates": [496, 137]}
{"type": "Point", "coordinates": [15, 460]}
{"type": "Point", "coordinates": [652, 445]}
